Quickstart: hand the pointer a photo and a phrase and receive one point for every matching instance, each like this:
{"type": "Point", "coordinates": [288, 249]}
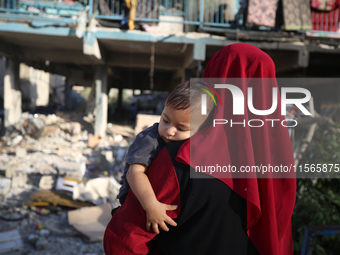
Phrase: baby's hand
{"type": "Point", "coordinates": [156, 216]}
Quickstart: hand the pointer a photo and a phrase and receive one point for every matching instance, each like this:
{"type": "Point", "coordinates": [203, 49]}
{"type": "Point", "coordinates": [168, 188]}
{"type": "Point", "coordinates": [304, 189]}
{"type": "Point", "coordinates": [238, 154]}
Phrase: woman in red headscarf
{"type": "Point", "coordinates": [270, 199]}
{"type": "Point", "coordinates": [226, 214]}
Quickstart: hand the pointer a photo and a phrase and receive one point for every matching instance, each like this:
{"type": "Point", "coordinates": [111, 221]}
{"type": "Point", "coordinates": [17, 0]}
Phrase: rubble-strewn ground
{"type": "Point", "coordinates": [38, 152]}
{"type": "Point", "coordinates": [59, 239]}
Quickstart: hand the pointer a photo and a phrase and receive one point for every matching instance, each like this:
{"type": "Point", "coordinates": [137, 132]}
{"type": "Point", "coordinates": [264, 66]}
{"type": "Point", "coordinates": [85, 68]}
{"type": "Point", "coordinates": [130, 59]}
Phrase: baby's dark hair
{"type": "Point", "coordinates": [179, 98]}
{"type": "Point", "coordinates": [185, 96]}
{"type": "Point", "coordinates": [182, 95]}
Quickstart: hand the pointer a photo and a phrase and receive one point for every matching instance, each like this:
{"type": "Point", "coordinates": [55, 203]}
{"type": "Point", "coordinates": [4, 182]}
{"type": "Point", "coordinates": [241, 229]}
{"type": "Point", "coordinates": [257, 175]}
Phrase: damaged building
{"type": "Point", "coordinates": [77, 83]}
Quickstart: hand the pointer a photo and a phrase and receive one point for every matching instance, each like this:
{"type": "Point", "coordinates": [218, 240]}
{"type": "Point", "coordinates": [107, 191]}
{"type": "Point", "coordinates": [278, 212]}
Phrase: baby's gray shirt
{"type": "Point", "coordinates": [142, 151]}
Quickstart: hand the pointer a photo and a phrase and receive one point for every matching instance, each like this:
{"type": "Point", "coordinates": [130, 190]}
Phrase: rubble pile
{"type": "Point", "coordinates": [58, 184]}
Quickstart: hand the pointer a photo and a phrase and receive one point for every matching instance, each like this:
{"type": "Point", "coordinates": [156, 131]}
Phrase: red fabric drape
{"type": "Point", "coordinates": [126, 232]}
{"type": "Point", "coordinates": [270, 201]}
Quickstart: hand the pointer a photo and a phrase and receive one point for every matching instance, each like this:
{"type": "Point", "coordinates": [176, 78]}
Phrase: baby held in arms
{"type": "Point", "coordinates": [180, 119]}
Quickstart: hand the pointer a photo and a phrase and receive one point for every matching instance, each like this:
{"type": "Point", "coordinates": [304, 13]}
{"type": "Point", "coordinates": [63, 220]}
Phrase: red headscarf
{"type": "Point", "coordinates": [270, 201]}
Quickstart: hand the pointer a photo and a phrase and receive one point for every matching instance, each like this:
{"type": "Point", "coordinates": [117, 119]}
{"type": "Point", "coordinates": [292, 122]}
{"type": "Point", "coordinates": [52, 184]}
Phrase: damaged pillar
{"type": "Point", "coordinates": [101, 101]}
{"type": "Point", "coordinates": [67, 95]}
{"type": "Point", "coordinates": [120, 98]}
{"type": "Point", "coordinates": [12, 94]}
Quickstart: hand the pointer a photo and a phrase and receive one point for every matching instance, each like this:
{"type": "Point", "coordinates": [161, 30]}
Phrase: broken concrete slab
{"type": "Point", "coordinates": [20, 152]}
{"type": "Point", "coordinates": [5, 186]}
{"type": "Point", "coordinates": [72, 128]}
{"type": "Point", "coordinates": [96, 191]}
{"type": "Point", "coordinates": [91, 221]}
{"type": "Point", "coordinates": [119, 130]}
{"type": "Point", "coordinates": [10, 241]}
{"type": "Point", "coordinates": [71, 169]}
{"type": "Point", "coordinates": [144, 121]}
{"type": "Point", "coordinates": [46, 182]}
{"type": "Point", "coordinates": [19, 179]}
{"type": "Point", "coordinates": [10, 171]}
{"type": "Point", "coordinates": [52, 130]}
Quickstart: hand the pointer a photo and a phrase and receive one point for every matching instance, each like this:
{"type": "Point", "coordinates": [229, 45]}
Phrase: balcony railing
{"type": "Point", "coordinates": [62, 8]}
{"type": "Point", "coordinates": [216, 13]}
{"type": "Point", "coordinates": [207, 14]}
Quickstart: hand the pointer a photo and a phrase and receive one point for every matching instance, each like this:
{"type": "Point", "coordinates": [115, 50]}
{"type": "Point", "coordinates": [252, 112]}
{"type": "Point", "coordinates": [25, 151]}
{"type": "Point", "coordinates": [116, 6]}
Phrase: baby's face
{"type": "Point", "coordinates": [174, 124]}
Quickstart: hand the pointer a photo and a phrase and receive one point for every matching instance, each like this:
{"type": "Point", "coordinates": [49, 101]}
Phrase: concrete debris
{"type": "Point", "coordinates": [5, 186]}
{"type": "Point", "coordinates": [93, 141]}
{"type": "Point", "coordinates": [91, 221]}
{"type": "Point", "coordinates": [40, 244]}
{"type": "Point", "coordinates": [10, 241]}
{"type": "Point", "coordinates": [10, 171]}
{"type": "Point", "coordinates": [52, 165]}
{"type": "Point", "coordinates": [71, 169]}
{"type": "Point", "coordinates": [51, 119]}
{"type": "Point", "coordinates": [15, 141]}
{"type": "Point", "coordinates": [32, 238]}
{"type": "Point", "coordinates": [72, 128]}
{"type": "Point", "coordinates": [33, 126]}
{"type": "Point", "coordinates": [19, 180]}
{"type": "Point", "coordinates": [96, 191]}
{"type": "Point", "coordinates": [46, 182]}
{"type": "Point", "coordinates": [144, 121]}
{"type": "Point", "coordinates": [51, 131]}
{"type": "Point", "coordinates": [66, 184]}
{"type": "Point", "coordinates": [20, 152]}
{"type": "Point", "coordinates": [119, 130]}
